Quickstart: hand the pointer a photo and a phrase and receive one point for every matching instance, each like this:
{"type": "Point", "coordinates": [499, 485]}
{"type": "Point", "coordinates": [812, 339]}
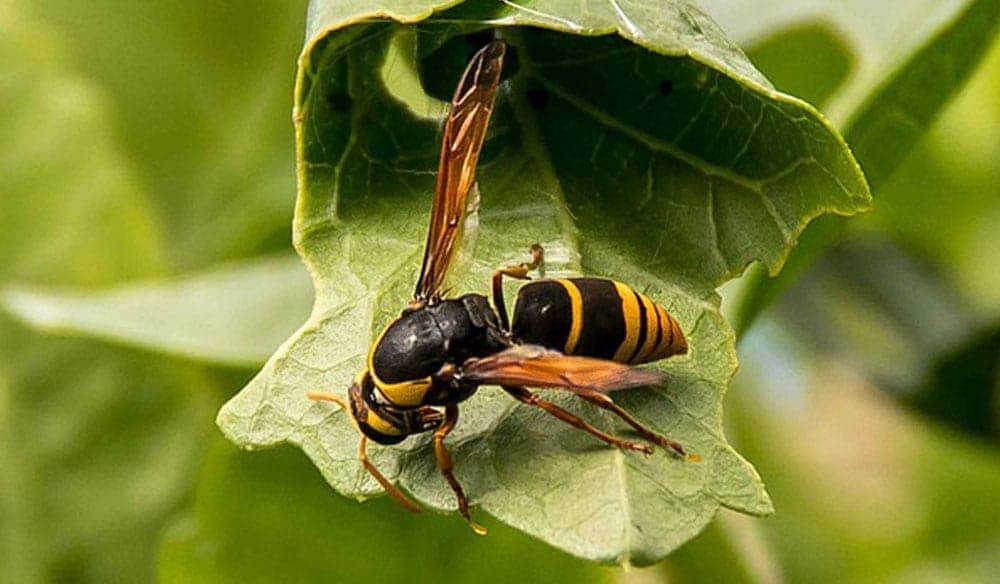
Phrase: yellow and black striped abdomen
{"type": "Point", "coordinates": [597, 318]}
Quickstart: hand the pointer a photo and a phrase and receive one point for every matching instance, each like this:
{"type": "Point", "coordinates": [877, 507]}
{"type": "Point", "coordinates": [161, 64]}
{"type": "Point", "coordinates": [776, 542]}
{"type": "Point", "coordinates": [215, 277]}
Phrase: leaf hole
{"type": "Point", "coordinates": [538, 98]}
{"type": "Point", "coordinates": [339, 101]}
{"type": "Point", "coordinates": [479, 39]}
{"type": "Point", "coordinates": [511, 63]}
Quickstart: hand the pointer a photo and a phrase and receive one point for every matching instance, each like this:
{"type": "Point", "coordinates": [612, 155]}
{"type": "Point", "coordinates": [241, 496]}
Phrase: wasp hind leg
{"type": "Point", "coordinates": [446, 465]}
{"type": "Point", "coordinates": [519, 272]}
{"type": "Point", "coordinates": [524, 396]}
{"type": "Point", "coordinates": [605, 402]}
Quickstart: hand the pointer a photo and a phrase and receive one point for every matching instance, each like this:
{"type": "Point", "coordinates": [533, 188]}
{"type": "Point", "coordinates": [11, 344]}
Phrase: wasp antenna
{"type": "Point", "coordinates": [390, 488]}
{"type": "Point", "coordinates": [328, 397]}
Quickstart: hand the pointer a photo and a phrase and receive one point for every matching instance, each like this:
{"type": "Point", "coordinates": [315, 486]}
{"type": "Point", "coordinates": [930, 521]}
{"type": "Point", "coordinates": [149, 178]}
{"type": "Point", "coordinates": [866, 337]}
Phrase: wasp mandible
{"type": "Point", "coordinates": [578, 334]}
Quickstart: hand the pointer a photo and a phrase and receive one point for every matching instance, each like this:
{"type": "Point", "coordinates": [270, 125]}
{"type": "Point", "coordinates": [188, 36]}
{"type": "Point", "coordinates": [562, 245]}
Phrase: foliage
{"type": "Point", "coordinates": [654, 164]}
{"type": "Point", "coordinates": [147, 141]}
{"type": "Point", "coordinates": [75, 414]}
{"type": "Point", "coordinates": [188, 320]}
{"type": "Point", "coordinates": [895, 78]}
{"type": "Point", "coordinates": [239, 529]}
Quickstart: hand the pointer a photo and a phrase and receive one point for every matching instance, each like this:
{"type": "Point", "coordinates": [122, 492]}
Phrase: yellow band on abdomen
{"type": "Point", "coordinates": [649, 345]}
{"type": "Point", "coordinates": [630, 312]}
{"type": "Point", "coordinates": [576, 323]}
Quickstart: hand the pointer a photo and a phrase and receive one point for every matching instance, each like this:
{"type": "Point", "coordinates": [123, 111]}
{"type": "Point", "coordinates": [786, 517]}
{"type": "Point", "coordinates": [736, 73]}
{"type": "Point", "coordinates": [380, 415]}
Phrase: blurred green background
{"type": "Point", "coordinates": [143, 141]}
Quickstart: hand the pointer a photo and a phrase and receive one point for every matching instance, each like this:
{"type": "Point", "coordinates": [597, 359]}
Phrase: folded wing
{"type": "Point", "coordinates": [536, 366]}
{"type": "Point", "coordinates": [464, 132]}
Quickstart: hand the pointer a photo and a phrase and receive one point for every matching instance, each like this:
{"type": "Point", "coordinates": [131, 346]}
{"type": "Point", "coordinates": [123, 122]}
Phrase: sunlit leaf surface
{"type": "Point", "coordinates": [221, 313]}
{"type": "Point", "coordinates": [75, 415]}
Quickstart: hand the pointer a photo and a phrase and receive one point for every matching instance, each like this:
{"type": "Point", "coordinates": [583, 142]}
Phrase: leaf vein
{"type": "Point", "coordinates": [653, 143]}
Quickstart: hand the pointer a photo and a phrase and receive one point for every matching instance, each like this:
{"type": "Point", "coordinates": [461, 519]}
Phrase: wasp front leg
{"type": "Point", "coordinates": [390, 488]}
{"type": "Point", "coordinates": [382, 424]}
{"type": "Point", "coordinates": [519, 272]}
{"type": "Point", "coordinates": [446, 465]}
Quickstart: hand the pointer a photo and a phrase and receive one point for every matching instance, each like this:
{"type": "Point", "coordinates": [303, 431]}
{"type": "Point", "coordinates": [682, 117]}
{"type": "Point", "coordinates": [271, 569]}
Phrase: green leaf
{"type": "Point", "coordinates": [973, 371]}
{"type": "Point", "coordinates": [270, 516]}
{"type": "Point", "coordinates": [882, 309]}
{"type": "Point", "coordinates": [809, 60]}
{"type": "Point", "coordinates": [201, 96]}
{"type": "Point", "coordinates": [928, 44]}
{"type": "Point", "coordinates": [809, 419]}
{"type": "Point", "coordinates": [234, 315]}
{"type": "Point", "coordinates": [96, 445]}
{"type": "Point", "coordinates": [731, 549]}
{"type": "Point", "coordinates": [907, 60]}
{"type": "Point", "coordinates": [669, 164]}
{"type": "Point", "coordinates": [59, 163]}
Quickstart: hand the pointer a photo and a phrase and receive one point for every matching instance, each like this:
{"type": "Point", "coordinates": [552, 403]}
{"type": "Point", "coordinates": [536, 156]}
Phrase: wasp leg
{"type": "Point", "coordinates": [524, 396]}
{"type": "Point", "coordinates": [363, 453]}
{"type": "Point", "coordinates": [519, 272]}
{"type": "Point", "coordinates": [445, 464]}
{"type": "Point", "coordinates": [388, 486]}
{"type": "Point", "coordinates": [603, 401]}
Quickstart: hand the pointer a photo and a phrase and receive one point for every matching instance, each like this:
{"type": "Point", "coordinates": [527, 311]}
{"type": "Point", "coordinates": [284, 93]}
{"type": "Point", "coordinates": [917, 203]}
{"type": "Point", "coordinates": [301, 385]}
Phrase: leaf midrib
{"type": "Point", "coordinates": [535, 146]}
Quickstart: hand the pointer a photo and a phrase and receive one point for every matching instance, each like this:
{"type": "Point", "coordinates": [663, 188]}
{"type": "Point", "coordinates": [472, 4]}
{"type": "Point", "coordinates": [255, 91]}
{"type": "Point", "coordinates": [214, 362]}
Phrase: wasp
{"type": "Point", "coordinates": [579, 334]}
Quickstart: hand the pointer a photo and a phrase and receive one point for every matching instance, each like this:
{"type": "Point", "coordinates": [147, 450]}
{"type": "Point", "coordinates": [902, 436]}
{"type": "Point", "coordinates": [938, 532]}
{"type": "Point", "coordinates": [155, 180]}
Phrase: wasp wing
{"type": "Point", "coordinates": [536, 366]}
{"type": "Point", "coordinates": [464, 247]}
{"type": "Point", "coordinates": [464, 132]}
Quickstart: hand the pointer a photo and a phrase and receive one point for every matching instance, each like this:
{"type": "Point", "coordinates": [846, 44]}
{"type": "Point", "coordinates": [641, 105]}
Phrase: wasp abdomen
{"type": "Point", "coordinates": [596, 318]}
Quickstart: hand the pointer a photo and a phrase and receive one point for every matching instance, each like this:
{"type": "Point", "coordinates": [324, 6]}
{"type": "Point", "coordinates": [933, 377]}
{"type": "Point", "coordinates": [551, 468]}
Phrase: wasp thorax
{"type": "Point", "coordinates": [416, 351]}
